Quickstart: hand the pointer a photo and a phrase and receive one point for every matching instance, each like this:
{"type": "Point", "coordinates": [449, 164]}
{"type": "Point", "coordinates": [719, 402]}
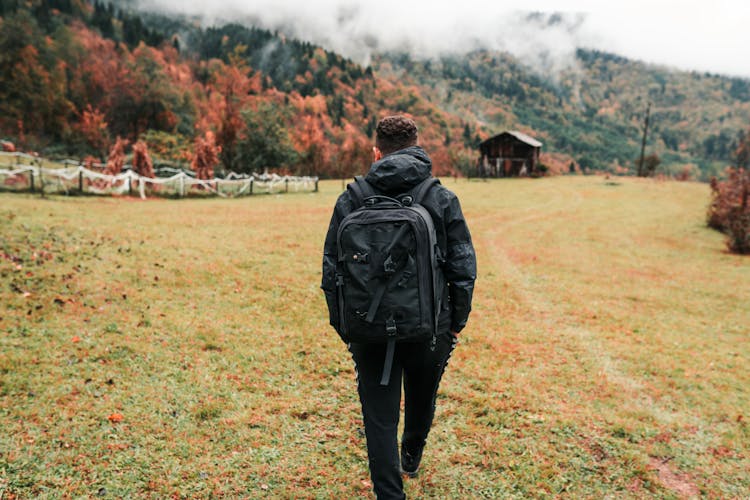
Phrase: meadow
{"type": "Point", "coordinates": [180, 348]}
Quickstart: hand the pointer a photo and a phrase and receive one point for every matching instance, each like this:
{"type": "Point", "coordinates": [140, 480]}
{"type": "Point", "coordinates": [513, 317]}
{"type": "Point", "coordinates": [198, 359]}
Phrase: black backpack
{"type": "Point", "coordinates": [388, 274]}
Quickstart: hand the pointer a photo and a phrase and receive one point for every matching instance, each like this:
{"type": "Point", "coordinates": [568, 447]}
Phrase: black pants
{"type": "Point", "coordinates": [422, 367]}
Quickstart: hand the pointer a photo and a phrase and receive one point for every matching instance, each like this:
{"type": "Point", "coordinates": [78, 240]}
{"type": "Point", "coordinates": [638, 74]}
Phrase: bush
{"type": "Point", "coordinates": [739, 231]}
{"type": "Point", "coordinates": [729, 210]}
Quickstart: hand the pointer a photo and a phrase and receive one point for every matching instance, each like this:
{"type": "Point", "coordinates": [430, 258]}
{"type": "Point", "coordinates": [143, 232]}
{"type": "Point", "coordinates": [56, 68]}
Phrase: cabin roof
{"type": "Point", "coordinates": [518, 135]}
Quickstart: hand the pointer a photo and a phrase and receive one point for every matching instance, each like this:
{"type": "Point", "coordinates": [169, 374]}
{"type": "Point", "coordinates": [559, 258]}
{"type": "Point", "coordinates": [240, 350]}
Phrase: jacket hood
{"type": "Point", "coordinates": [400, 171]}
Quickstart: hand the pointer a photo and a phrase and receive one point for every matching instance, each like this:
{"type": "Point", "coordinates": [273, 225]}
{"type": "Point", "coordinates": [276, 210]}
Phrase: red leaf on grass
{"type": "Point", "coordinates": [115, 418]}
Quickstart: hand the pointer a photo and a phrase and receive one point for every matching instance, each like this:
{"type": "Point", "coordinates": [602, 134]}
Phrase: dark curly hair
{"type": "Point", "coordinates": [394, 133]}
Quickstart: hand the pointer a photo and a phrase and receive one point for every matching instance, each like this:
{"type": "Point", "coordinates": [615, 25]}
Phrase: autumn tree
{"type": "Point", "coordinates": [234, 85]}
{"type": "Point", "coordinates": [116, 159]}
{"type": "Point", "coordinates": [206, 156]}
{"type": "Point", "coordinates": [355, 153]}
{"type": "Point", "coordinates": [136, 91]}
{"type": "Point", "coordinates": [142, 164]}
{"type": "Point", "coordinates": [93, 129]}
{"type": "Point", "coordinates": [313, 148]}
{"type": "Point", "coordinates": [729, 210]}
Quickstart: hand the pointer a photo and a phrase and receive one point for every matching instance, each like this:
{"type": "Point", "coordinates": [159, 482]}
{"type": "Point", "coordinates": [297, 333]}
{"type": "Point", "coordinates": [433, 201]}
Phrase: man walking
{"type": "Point", "coordinates": [401, 166]}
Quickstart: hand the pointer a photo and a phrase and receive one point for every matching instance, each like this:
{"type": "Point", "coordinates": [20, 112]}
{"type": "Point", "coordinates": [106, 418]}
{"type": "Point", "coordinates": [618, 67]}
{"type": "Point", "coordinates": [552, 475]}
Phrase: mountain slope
{"type": "Point", "coordinates": [76, 75]}
{"type": "Point", "coordinates": [594, 111]}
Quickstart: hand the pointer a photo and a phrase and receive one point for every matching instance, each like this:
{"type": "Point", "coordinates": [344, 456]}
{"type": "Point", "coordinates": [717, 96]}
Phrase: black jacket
{"type": "Point", "coordinates": [395, 174]}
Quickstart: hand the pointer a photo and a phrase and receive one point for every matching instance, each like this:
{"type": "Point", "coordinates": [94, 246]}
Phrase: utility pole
{"type": "Point", "coordinates": [643, 142]}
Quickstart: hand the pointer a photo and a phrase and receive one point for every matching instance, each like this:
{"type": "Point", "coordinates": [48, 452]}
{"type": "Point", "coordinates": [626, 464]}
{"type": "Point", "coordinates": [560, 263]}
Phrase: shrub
{"type": "Point", "coordinates": [687, 173]}
{"type": "Point", "coordinates": [205, 156]}
{"type": "Point", "coordinates": [739, 231]}
{"type": "Point", "coordinates": [729, 210]}
{"type": "Point", "coordinates": [142, 164]}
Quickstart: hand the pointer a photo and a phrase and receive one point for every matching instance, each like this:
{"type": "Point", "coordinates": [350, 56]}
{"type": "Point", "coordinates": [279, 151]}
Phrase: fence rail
{"type": "Point", "coordinates": [68, 179]}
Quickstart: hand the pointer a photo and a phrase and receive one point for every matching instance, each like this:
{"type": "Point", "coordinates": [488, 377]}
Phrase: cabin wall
{"type": "Point", "coordinates": [507, 157]}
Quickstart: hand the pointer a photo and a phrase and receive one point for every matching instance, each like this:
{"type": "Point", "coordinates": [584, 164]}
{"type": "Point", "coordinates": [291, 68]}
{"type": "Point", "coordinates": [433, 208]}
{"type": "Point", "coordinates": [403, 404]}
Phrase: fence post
{"type": "Point", "coordinates": [41, 181]}
{"type": "Point", "coordinates": [286, 185]}
{"type": "Point", "coordinates": [130, 185]}
{"type": "Point", "coordinates": [316, 184]}
{"type": "Point", "coordinates": [31, 180]}
{"type": "Point", "coordinates": [251, 186]}
{"type": "Point", "coordinates": [80, 181]}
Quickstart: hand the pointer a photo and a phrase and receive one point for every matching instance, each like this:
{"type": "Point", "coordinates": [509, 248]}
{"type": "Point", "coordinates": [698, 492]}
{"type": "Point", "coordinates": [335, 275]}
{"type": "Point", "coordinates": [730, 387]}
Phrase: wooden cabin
{"type": "Point", "coordinates": [509, 154]}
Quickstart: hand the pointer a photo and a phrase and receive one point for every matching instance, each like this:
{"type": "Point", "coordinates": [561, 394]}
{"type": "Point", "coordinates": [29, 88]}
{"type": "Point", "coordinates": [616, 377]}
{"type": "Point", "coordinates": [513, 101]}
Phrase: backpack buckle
{"type": "Point", "coordinates": [390, 327]}
{"type": "Point", "coordinates": [389, 266]}
{"type": "Point", "coordinates": [361, 258]}
{"type": "Point", "coordinates": [407, 200]}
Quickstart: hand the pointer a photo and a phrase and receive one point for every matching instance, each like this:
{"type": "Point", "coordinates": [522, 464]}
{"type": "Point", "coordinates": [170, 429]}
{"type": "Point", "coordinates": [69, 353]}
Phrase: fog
{"type": "Point", "coordinates": [686, 35]}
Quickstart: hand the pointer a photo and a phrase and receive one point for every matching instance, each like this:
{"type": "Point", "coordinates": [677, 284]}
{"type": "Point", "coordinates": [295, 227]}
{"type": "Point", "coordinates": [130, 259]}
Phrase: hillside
{"type": "Point", "coordinates": [593, 111]}
{"type": "Point", "coordinates": [76, 75]}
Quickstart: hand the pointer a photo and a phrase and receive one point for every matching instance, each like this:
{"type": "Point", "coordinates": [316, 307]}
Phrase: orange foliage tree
{"type": "Point", "coordinates": [433, 143]}
{"type": "Point", "coordinates": [729, 210]}
{"type": "Point", "coordinates": [558, 164]}
{"type": "Point", "coordinates": [135, 91]}
{"type": "Point", "coordinates": [116, 158]}
{"type": "Point", "coordinates": [206, 156]}
{"type": "Point", "coordinates": [314, 150]}
{"type": "Point", "coordinates": [234, 86]}
{"type": "Point", "coordinates": [355, 154]}
{"type": "Point", "coordinates": [142, 164]}
{"type": "Point", "coordinates": [93, 128]}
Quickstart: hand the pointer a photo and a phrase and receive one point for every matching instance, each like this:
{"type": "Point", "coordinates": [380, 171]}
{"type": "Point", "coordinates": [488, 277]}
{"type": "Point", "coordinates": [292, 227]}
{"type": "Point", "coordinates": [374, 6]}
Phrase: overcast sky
{"type": "Point", "coordinates": [705, 36]}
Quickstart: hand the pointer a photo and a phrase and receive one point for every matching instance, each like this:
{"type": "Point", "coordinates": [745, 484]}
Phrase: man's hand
{"type": "Point", "coordinates": [454, 334]}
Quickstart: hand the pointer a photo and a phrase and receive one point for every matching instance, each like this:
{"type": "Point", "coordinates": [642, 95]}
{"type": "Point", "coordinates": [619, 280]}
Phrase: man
{"type": "Point", "coordinates": [400, 165]}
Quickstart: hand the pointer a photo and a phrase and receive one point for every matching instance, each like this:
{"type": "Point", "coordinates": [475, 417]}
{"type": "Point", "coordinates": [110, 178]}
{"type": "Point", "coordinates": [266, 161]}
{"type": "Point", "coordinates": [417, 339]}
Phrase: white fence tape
{"type": "Point", "coordinates": [80, 178]}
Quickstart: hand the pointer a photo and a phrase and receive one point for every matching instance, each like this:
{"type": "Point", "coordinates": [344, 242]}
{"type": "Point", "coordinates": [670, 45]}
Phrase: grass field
{"type": "Point", "coordinates": [180, 348]}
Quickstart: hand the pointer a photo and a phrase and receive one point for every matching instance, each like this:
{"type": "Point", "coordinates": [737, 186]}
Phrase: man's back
{"type": "Point", "coordinates": [395, 174]}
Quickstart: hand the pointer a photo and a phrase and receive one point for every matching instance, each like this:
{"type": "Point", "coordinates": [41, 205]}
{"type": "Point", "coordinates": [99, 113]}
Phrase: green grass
{"type": "Point", "coordinates": [607, 354]}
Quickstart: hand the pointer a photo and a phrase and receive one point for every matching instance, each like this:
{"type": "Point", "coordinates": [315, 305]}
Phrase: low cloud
{"type": "Point", "coordinates": [359, 29]}
{"type": "Point", "coordinates": [700, 37]}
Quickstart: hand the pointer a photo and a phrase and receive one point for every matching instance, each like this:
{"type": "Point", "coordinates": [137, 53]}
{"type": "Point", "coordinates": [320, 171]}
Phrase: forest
{"type": "Point", "coordinates": [79, 75]}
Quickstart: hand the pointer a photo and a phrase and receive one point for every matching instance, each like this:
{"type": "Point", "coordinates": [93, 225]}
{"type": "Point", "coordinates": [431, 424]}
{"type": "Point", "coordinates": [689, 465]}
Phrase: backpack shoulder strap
{"type": "Point", "coordinates": [421, 189]}
{"type": "Point", "coordinates": [360, 189]}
